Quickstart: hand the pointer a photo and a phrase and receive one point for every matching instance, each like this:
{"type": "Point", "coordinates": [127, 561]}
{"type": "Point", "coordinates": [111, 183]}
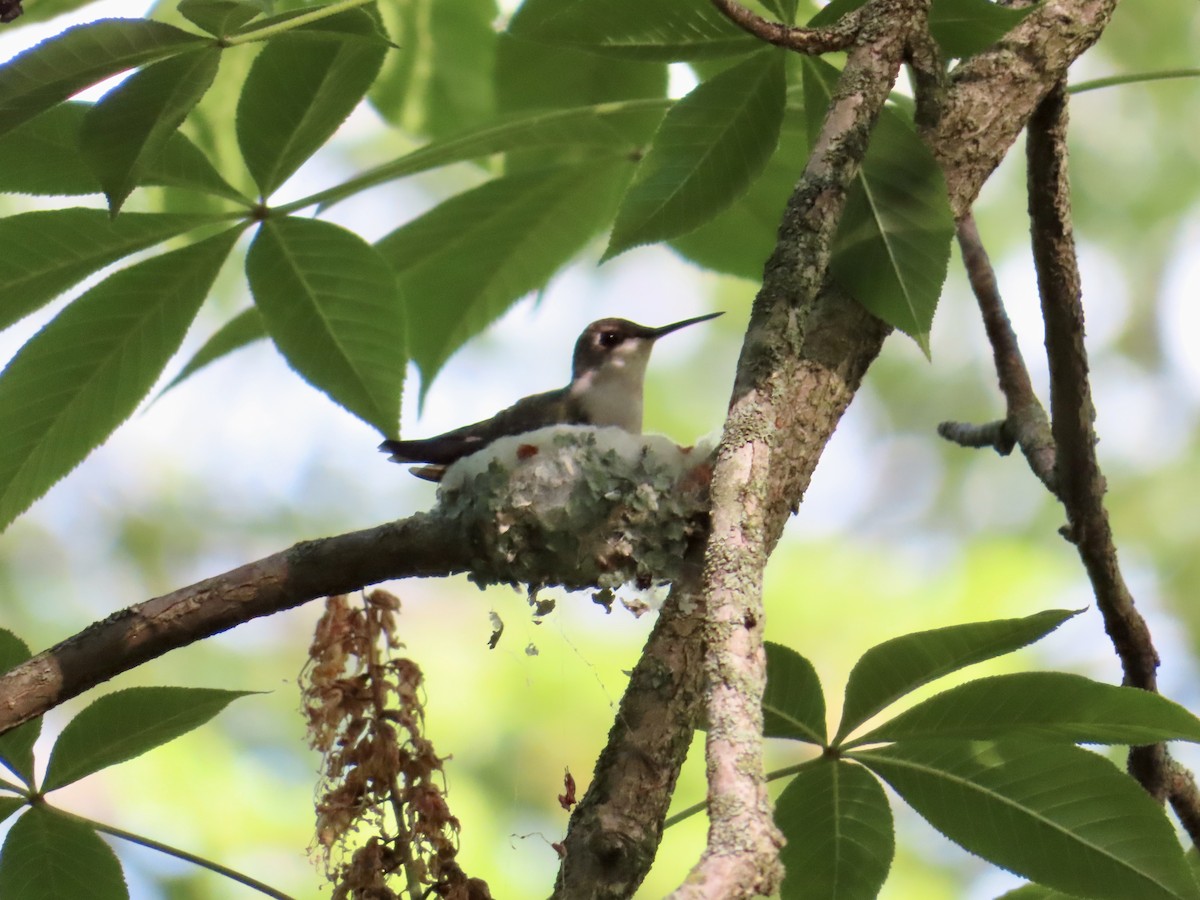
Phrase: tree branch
{"type": "Point", "coordinates": [1081, 484]}
{"type": "Point", "coordinates": [803, 358]}
{"type": "Point", "coordinates": [422, 545]}
{"type": "Point", "coordinates": [616, 829]}
{"type": "Point", "coordinates": [1025, 422]}
{"type": "Point", "coordinates": [810, 41]}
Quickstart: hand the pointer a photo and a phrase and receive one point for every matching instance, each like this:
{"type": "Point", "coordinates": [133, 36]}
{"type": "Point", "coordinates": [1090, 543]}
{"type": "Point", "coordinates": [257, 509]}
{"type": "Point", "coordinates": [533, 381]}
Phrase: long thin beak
{"type": "Point", "coordinates": [656, 333]}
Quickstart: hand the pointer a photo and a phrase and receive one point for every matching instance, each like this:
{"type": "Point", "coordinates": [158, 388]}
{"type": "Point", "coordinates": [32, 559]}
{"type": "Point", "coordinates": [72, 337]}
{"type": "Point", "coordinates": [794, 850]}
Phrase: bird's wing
{"type": "Point", "coordinates": [526, 414]}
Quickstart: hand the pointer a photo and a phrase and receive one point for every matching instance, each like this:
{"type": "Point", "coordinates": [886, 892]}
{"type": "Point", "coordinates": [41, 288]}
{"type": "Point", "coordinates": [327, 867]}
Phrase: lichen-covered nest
{"type": "Point", "coordinates": [579, 507]}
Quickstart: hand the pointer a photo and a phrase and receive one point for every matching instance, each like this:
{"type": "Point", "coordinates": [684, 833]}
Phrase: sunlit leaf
{"type": "Point", "coordinates": [892, 669]}
{"type": "Point", "coordinates": [301, 87]}
{"type": "Point", "coordinates": [965, 27]}
{"type": "Point", "coordinates": [219, 17]}
{"type": "Point", "coordinates": [83, 374]}
{"type": "Point", "coordinates": [60, 66]}
{"type": "Point", "coordinates": [1054, 813]}
{"type": "Point", "coordinates": [47, 252]}
{"type": "Point", "coordinates": [663, 30]}
{"type": "Point", "coordinates": [1050, 705]}
{"type": "Point", "coordinates": [465, 262]}
{"type": "Point", "coordinates": [838, 826]}
{"type": "Point", "coordinates": [739, 240]}
{"type": "Point", "coordinates": [784, 10]}
{"type": "Point", "coordinates": [244, 328]}
{"type": "Point", "coordinates": [49, 857]}
{"type": "Point", "coordinates": [892, 246]}
{"type": "Point", "coordinates": [416, 89]}
{"type": "Point", "coordinates": [42, 156]}
{"type": "Point", "coordinates": [16, 746]}
{"type": "Point", "coordinates": [793, 704]}
{"type": "Point", "coordinates": [536, 77]}
{"type": "Point", "coordinates": [712, 144]}
{"type": "Point", "coordinates": [125, 724]}
{"type": "Point", "coordinates": [605, 129]}
{"type": "Point", "coordinates": [330, 303]}
{"type": "Point", "coordinates": [1036, 892]}
{"type": "Point", "coordinates": [130, 126]}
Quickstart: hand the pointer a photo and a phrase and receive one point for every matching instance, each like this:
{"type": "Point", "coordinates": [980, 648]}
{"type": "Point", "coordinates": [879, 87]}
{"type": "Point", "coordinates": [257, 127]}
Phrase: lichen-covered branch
{"type": "Point", "coordinates": [616, 829]}
{"type": "Point", "coordinates": [993, 94]}
{"type": "Point", "coordinates": [805, 352]}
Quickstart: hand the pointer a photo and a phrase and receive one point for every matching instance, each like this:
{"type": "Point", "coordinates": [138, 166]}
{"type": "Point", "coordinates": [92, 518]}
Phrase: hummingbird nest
{"type": "Point", "coordinates": [579, 507]}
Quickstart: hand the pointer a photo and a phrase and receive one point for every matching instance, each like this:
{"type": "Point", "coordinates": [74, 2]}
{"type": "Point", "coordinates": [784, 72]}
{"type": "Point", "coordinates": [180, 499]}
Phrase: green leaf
{"type": "Point", "coordinates": [538, 77]}
{"type": "Point", "coordinates": [793, 704]}
{"type": "Point", "coordinates": [784, 10]}
{"type": "Point", "coordinates": [739, 240]}
{"type": "Point", "coordinates": [892, 669]}
{"type": "Point", "coordinates": [56, 68]}
{"type": "Point", "coordinates": [331, 305]}
{"type": "Point", "coordinates": [892, 246]}
{"type": "Point", "coordinates": [465, 262]}
{"type": "Point", "coordinates": [419, 89]}
{"type": "Point", "coordinates": [16, 746]}
{"type": "Point", "coordinates": [1047, 705]}
{"type": "Point", "coordinates": [43, 11]}
{"type": "Point", "coordinates": [606, 129]}
{"type": "Point", "coordinates": [1036, 892]}
{"type": "Point", "coordinates": [125, 724]}
{"type": "Point", "coordinates": [83, 374]}
{"type": "Point", "coordinates": [131, 125]}
{"type": "Point", "coordinates": [244, 328]}
{"type": "Point", "coordinates": [49, 857]}
{"type": "Point", "coordinates": [838, 825]}
{"type": "Point", "coordinates": [666, 30]}
{"type": "Point", "coordinates": [301, 87]}
{"type": "Point", "coordinates": [47, 252]}
{"type": "Point", "coordinates": [9, 805]}
{"type": "Point", "coordinates": [966, 27]}
{"type": "Point", "coordinates": [219, 17]}
{"type": "Point", "coordinates": [43, 157]}
{"type": "Point", "coordinates": [1054, 813]}
{"type": "Point", "coordinates": [363, 21]}
{"type": "Point", "coordinates": [712, 144]}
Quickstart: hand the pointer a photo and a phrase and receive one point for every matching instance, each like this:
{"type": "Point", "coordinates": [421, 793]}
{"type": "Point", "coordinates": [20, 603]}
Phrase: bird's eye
{"type": "Point", "coordinates": [610, 338]}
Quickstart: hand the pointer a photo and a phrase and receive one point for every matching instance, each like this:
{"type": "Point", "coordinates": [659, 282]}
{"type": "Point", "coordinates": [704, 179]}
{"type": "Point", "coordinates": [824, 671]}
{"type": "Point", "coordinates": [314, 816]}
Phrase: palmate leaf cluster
{"type": "Point", "coordinates": [566, 109]}
{"type": "Point", "coordinates": [991, 763]}
{"type": "Point", "coordinates": [49, 853]}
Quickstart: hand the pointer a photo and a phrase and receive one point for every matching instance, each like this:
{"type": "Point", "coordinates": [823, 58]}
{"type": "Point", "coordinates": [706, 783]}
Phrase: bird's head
{"type": "Point", "coordinates": [618, 344]}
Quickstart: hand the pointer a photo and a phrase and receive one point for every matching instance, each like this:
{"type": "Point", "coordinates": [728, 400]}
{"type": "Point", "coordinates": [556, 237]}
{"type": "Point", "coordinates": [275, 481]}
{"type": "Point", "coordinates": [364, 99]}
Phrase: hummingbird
{"type": "Point", "coordinates": [607, 373]}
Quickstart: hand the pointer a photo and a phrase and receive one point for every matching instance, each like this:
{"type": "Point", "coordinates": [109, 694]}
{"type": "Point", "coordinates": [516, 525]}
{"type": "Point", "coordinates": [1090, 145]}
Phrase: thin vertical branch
{"type": "Point", "coordinates": [1080, 482]}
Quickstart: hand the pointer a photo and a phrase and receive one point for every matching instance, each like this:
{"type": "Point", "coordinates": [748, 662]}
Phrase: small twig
{"type": "Point", "coordinates": [1025, 422]}
{"type": "Point", "coordinates": [811, 41]}
{"type": "Point", "coordinates": [997, 435]}
{"type": "Point", "coordinates": [1078, 477]}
